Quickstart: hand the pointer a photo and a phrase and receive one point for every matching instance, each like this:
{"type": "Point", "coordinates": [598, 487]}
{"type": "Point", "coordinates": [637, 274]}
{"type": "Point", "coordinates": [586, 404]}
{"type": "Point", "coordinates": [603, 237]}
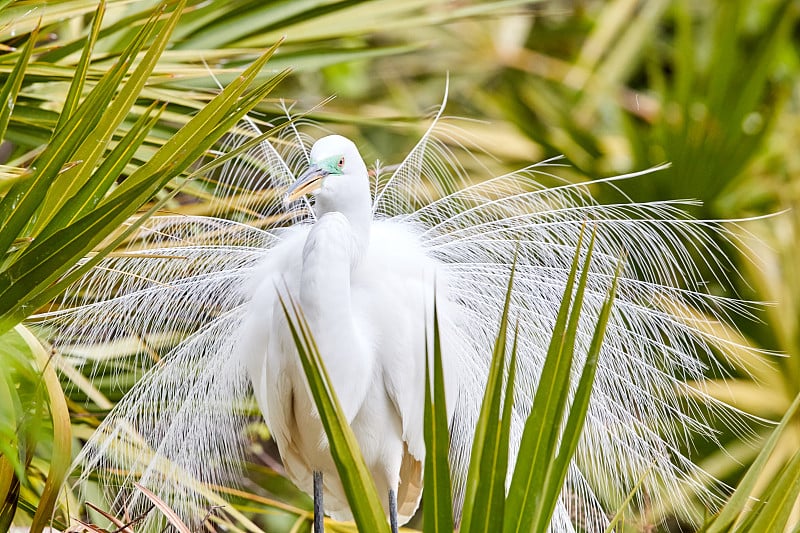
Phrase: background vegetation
{"type": "Point", "coordinates": [616, 86]}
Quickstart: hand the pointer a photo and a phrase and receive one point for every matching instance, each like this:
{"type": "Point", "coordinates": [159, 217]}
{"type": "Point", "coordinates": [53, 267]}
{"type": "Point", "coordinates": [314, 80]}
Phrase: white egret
{"type": "Point", "coordinates": [363, 287]}
{"type": "Point", "coordinates": [362, 264]}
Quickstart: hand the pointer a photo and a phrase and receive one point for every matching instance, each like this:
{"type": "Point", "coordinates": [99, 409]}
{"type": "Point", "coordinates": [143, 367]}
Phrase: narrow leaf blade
{"type": "Point", "coordinates": [356, 479]}
{"type": "Point", "coordinates": [437, 500]}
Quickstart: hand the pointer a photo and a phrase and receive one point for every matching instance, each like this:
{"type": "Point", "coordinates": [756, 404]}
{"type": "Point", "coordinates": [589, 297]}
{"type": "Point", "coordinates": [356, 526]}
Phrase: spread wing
{"type": "Point", "coordinates": [166, 305]}
{"type": "Point", "coordinates": [642, 403]}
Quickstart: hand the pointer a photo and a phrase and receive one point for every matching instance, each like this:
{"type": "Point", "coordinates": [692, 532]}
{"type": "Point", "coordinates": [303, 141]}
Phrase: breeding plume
{"type": "Point", "coordinates": [363, 253]}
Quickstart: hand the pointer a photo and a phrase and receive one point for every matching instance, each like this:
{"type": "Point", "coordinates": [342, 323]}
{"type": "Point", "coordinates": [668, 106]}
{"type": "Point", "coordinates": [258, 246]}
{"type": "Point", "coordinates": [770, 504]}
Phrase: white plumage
{"type": "Point", "coordinates": [365, 290]}
{"type": "Point", "coordinates": [216, 280]}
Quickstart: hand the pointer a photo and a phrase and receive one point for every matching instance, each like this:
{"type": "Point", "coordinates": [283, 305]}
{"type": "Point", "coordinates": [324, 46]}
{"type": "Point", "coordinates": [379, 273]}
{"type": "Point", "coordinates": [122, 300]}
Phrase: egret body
{"type": "Point", "coordinates": [365, 292]}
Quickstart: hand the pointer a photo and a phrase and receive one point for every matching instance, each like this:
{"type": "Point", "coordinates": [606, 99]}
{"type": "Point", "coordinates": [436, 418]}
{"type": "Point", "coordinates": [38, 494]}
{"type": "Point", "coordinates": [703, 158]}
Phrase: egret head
{"type": "Point", "coordinates": [337, 175]}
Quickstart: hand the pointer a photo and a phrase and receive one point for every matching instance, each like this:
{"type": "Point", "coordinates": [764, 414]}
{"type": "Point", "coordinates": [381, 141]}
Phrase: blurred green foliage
{"type": "Point", "coordinates": [616, 86]}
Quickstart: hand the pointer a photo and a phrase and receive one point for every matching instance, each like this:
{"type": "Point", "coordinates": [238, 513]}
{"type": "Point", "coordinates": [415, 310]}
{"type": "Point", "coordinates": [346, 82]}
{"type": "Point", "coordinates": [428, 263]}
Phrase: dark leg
{"type": "Point", "coordinates": [393, 510]}
{"type": "Point", "coordinates": [318, 512]}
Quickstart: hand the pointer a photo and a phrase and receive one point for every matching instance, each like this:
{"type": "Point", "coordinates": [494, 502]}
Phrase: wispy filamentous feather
{"type": "Point", "coordinates": [179, 293]}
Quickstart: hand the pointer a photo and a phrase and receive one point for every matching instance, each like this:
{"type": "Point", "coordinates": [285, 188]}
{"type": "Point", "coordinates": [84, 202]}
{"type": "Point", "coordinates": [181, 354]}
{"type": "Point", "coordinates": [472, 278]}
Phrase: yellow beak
{"type": "Point", "coordinates": [307, 183]}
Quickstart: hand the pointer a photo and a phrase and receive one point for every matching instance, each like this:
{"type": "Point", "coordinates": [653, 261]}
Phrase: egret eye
{"type": "Point", "coordinates": [340, 164]}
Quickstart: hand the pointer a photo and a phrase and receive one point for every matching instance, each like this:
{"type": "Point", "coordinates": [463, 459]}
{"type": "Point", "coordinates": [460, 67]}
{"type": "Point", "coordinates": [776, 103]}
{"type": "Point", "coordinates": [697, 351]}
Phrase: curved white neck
{"type": "Point", "coordinates": [355, 203]}
{"type": "Point", "coordinates": [332, 250]}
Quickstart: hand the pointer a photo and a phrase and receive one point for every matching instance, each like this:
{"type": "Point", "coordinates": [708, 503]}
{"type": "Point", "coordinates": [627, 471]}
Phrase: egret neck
{"type": "Point", "coordinates": [333, 249]}
{"type": "Point", "coordinates": [356, 208]}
